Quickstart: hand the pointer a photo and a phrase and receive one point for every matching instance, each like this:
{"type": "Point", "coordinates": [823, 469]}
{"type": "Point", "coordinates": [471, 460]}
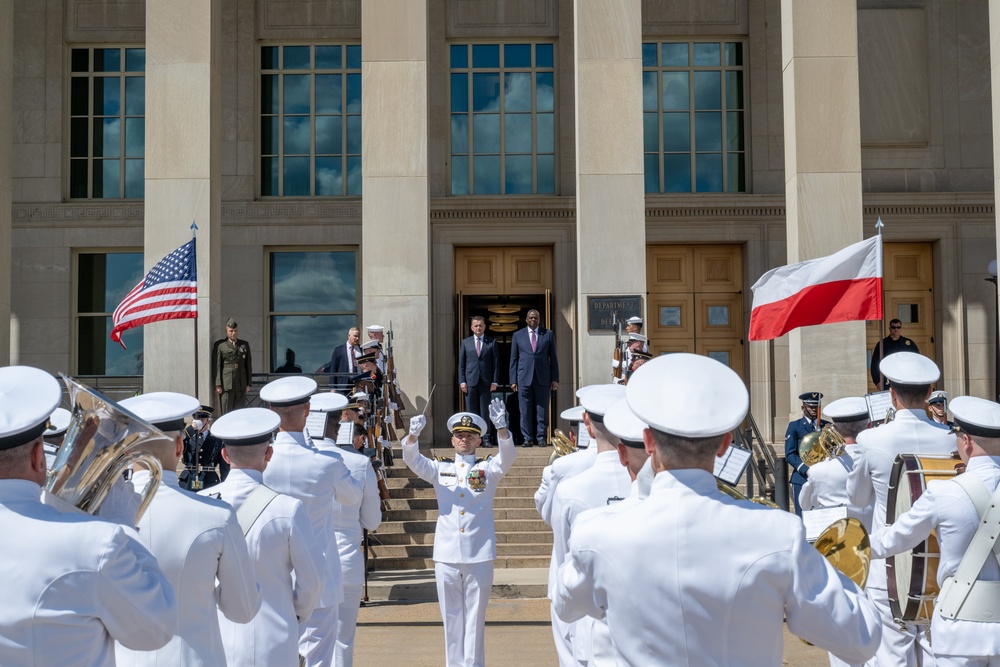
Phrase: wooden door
{"type": "Point", "coordinates": [696, 301]}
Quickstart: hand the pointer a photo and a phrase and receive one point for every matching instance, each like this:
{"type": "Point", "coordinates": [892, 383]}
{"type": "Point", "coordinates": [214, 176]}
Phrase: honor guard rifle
{"type": "Point", "coordinates": [391, 388]}
{"type": "Point", "coordinates": [617, 355]}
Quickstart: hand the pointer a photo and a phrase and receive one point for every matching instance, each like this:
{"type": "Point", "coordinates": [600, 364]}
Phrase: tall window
{"type": "Point", "coordinates": [502, 119]}
{"type": "Point", "coordinates": [107, 134]}
{"type": "Point", "coordinates": [693, 120]}
{"type": "Point", "coordinates": [310, 120]}
{"type": "Point", "coordinates": [102, 281]}
{"type": "Point", "coordinates": [313, 302]}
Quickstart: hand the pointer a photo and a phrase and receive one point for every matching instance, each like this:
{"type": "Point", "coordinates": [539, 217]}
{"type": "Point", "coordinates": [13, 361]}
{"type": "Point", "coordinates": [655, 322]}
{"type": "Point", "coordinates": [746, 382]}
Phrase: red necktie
{"type": "Point", "coordinates": [533, 341]}
{"type": "Point", "coordinates": [479, 346]}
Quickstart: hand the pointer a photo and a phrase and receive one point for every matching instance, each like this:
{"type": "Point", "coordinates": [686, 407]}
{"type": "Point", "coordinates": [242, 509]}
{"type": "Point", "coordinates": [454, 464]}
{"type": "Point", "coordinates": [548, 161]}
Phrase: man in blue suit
{"type": "Point", "coordinates": [534, 374]}
{"type": "Point", "coordinates": [797, 430]}
{"type": "Point", "coordinates": [478, 370]}
{"type": "Point", "coordinates": [344, 361]}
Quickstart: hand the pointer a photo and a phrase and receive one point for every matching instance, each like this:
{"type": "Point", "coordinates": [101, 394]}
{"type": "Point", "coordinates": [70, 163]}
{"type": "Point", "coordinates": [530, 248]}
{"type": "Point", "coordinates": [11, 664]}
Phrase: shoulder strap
{"type": "Point", "coordinates": [254, 506]}
{"type": "Point", "coordinates": [957, 588]}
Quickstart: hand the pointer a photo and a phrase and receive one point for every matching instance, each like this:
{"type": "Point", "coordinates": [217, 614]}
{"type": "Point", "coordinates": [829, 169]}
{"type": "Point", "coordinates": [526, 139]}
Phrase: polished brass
{"type": "Point", "coordinates": [99, 446]}
{"type": "Point", "coordinates": [821, 445]}
{"type": "Point", "coordinates": [732, 492]}
{"type": "Point", "coordinates": [845, 544]}
{"type": "Point", "coordinates": [561, 445]}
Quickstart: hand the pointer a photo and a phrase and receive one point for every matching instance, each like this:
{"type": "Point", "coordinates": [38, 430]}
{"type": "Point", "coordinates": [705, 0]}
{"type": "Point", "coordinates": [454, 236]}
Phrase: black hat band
{"type": "Point", "coordinates": [24, 437]}
{"type": "Point", "coordinates": [975, 429]}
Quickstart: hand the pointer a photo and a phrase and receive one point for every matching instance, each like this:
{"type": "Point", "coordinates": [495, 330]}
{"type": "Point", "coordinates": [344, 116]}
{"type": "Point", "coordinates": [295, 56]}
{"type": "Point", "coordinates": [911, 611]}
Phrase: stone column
{"type": "Point", "coordinates": [6, 148]}
{"type": "Point", "coordinates": [995, 95]}
{"type": "Point", "coordinates": [395, 230]}
{"type": "Point", "coordinates": [822, 178]}
{"type": "Point", "coordinates": [183, 138]}
{"type": "Point", "coordinates": [610, 197]}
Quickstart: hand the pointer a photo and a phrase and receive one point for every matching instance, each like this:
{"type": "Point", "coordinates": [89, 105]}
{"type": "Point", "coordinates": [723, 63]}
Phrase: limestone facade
{"type": "Point", "coordinates": [923, 163]}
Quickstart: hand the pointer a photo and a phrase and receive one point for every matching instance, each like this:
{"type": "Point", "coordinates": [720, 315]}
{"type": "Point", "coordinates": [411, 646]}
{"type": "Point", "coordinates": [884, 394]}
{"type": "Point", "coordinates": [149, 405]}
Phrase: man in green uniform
{"type": "Point", "coordinates": [233, 369]}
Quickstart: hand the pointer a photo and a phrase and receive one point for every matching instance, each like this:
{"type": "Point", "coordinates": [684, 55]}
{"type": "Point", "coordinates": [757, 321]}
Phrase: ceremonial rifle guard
{"type": "Point", "coordinates": [204, 466]}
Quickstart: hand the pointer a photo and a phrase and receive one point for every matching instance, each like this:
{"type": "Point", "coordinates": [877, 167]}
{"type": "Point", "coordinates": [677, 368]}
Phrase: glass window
{"type": "Point", "coordinates": [310, 121]}
{"type": "Point", "coordinates": [694, 121]}
{"type": "Point", "coordinates": [107, 125]}
{"type": "Point", "coordinates": [312, 303]}
{"type": "Point", "coordinates": [502, 119]}
{"type": "Point", "coordinates": [102, 281]}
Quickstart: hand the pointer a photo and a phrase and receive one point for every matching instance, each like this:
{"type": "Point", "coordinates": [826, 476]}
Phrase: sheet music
{"type": "Point", "coordinates": [316, 425]}
{"type": "Point", "coordinates": [818, 520]}
{"type": "Point", "coordinates": [730, 466]}
{"type": "Point", "coordinates": [879, 403]}
{"type": "Point", "coordinates": [582, 437]}
{"type": "Point", "coordinates": [345, 436]}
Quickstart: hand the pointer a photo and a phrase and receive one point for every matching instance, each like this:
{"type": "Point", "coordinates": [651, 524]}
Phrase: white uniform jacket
{"type": "Point", "coordinates": [72, 584]}
{"type": "Point", "coordinates": [562, 468]}
{"type": "Point", "coordinates": [465, 488]}
{"type": "Point", "coordinates": [350, 518]}
{"type": "Point", "coordinates": [319, 480]}
{"type": "Point", "coordinates": [281, 543]}
{"type": "Point", "coordinates": [201, 549]}
{"type": "Point", "coordinates": [946, 508]}
{"type": "Point", "coordinates": [910, 432]}
{"type": "Point", "coordinates": [725, 574]}
{"type": "Point", "coordinates": [827, 485]}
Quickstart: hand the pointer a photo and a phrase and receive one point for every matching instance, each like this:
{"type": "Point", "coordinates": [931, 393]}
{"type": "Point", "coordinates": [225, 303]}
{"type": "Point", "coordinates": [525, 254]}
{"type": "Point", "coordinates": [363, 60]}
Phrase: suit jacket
{"type": "Point", "coordinates": [483, 369]}
{"type": "Point", "coordinates": [339, 362]}
{"type": "Point", "coordinates": [233, 365]}
{"type": "Point", "coordinates": [541, 365]}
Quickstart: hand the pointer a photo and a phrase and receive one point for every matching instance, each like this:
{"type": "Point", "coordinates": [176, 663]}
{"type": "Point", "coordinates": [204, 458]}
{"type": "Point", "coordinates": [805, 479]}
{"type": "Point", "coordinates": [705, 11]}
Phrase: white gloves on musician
{"type": "Point", "coordinates": [498, 414]}
{"type": "Point", "coordinates": [417, 425]}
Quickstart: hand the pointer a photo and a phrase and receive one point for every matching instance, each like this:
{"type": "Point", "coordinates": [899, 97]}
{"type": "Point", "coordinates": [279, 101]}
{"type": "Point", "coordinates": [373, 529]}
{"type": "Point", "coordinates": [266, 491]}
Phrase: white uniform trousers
{"type": "Point", "coordinates": [347, 623]}
{"type": "Point", "coordinates": [560, 635]}
{"type": "Point", "coordinates": [899, 648]}
{"type": "Point", "coordinates": [318, 637]}
{"type": "Point", "coordinates": [967, 661]}
{"type": "Point", "coordinates": [463, 590]}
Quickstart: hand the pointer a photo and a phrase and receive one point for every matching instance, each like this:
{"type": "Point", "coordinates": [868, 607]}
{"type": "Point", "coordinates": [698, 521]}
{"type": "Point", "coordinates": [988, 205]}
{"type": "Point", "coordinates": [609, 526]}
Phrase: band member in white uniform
{"type": "Point", "coordinates": [321, 482]}
{"type": "Point", "coordinates": [966, 621]}
{"type": "Point", "coordinates": [690, 575]}
{"type": "Point", "coordinates": [198, 543]}
{"type": "Point", "coordinates": [827, 482]}
{"type": "Point", "coordinates": [604, 483]}
{"type": "Point", "coordinates": [565, 466]}
{"type": "Point", "coordinates": [911, 431]}
{"type": "Point", "coordinates": [54, 434]}
{"type": "Point", "coordinates": [465, 536]}
{"type": "Point", "coordinates": [73, 584]}
{"type": "Point", "coordinates": [349, 520]}
{"type": "Point", "coordinates": [288, 562]}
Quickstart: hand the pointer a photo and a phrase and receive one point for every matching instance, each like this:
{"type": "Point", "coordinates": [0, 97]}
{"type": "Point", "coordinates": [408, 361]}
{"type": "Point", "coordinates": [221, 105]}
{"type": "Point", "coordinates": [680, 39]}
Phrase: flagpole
{"type": "Point", "coordinates": [194, 237]}
{"type": "Point", "coordinates": [881, 334]}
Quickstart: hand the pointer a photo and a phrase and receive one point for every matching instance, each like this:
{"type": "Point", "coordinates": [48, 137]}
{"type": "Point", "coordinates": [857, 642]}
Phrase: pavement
{"type": "Point", "coordinates": [518, 629]}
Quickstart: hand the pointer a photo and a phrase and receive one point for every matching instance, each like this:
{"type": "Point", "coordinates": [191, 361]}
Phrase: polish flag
{"type": "Point", "coordinates": [843, 287]}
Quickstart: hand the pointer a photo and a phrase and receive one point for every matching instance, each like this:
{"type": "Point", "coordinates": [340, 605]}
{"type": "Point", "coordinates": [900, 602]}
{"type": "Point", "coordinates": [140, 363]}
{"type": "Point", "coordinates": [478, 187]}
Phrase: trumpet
{"type": "Point", "coordinates": [561, 445]}
{"type": "Point", "coordinates": [821, 445]}
{"type": "Point", "coordinates": [99, 446]}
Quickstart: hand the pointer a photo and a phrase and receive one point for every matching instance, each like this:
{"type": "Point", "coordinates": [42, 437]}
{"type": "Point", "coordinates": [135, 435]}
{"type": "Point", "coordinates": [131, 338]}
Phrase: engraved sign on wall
{"type": "Point", "coordinates": [602, 311]}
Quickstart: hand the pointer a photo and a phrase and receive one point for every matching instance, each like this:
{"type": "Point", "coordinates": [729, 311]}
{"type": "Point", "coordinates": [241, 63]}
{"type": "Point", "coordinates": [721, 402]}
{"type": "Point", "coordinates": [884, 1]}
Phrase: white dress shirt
{"type": "Point", "coordinates": [74, 584]}
{"type": "Point", "coordinates": [465, 531]}
{"type": "Point", "coordinates": [910, 432]}
{"type": "Point", "coordinates": [562, 468]}
{"type": "Point", "coordinates": [319, 480]}
{"type": "Point", "coordinates": [289, 567]}
{"type": "Point", "coordinates": [946, 508]}
{"type": "Point", "coordinates": [692, 577]}
{"type": "Point", "coordinates": [200, 547]}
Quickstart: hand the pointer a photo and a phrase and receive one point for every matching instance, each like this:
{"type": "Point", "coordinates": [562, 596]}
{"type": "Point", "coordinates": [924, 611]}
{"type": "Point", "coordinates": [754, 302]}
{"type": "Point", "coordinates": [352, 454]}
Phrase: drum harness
{"type": "Point", "coordinates": [962, 596]}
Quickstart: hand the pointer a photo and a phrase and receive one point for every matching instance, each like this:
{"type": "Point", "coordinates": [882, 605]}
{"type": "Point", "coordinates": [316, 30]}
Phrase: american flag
{"type": "Point", "coordinates": [168, 292]}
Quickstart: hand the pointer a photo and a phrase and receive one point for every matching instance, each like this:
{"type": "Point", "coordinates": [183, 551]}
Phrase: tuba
{"type": "Point", "coordinates": [99, 446]}
{"type": "Point", "coordinates": [821, 445]}
{"type": "Point", "coordinates": [561, 445]}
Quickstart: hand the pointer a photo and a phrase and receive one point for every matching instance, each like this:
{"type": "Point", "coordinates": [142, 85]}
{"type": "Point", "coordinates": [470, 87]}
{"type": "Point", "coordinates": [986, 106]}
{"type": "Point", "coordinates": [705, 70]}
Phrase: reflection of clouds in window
{"type": "Point", "coordinates": [517, 133]}
{"type": "Point", "coordinates": [353, 93]}
{"type": "Point", "coordinates": [312, 337]}
{"type": "Point", "coordinates": [544, 91]}
{"type": "Point", "coordinates": [329, 179]}
{"type": "Point", "coordinates": [517, 91]}
{"type": "Point", "coordinates": [135, 137]}
{"type": "Point", "coordinates": [296, 93]}
{"type": "Point", "coordinates": [329, 135]}
{"type": "Point", "coordinates": [135, 96]}
{"type": "Point", "coordinates": [107, 137]}
{"type": "Point", "coordinates": [486, 133]}
{"type": "Point", "coordinates": [311, 281]}
{"type": "Point", "coordinates": [518, 174]}
{"type": "Point", "coordinates": [296, 135]}
{"type": "Point", "coordinates": [123, 271]}
{"type": "Point", "coordinates": [296, 176]}
{"type": "Point", "coordinates": [649, 91]}
{"type": "Point", "coordinates": [354, 175]}
{"type": "Point", "coordinates": [486, 174]}
{"type": "Point", "coordinates": [124, 362]}
{"type": "Point", "coordinates": [459, 133]}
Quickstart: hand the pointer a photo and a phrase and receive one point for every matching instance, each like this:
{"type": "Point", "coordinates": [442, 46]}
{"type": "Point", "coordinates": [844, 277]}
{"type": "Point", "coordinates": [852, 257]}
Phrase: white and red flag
{"type": "Point", "coordinates": [168, 292]}
{"type": "Point", "coordinates": [843, 287]}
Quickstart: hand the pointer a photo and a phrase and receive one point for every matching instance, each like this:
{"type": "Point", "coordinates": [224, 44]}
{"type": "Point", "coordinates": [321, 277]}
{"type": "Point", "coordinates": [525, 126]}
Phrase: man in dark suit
{"type": "Point", "coordinates": [343, 364]}
{"type": "Point", "coordinates": [797, 430]}
{"type": "Point", "coordinates": [534, 374]}
{"type": "Point", "coordinates": [478, 371]}
{"type": "Point", "coordinates": [894, 342]}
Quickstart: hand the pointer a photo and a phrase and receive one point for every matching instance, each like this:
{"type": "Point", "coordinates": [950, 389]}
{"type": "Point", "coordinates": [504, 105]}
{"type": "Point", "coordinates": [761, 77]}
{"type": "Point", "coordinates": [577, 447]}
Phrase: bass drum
{"type": "Point", "coordinates": [912, 575]}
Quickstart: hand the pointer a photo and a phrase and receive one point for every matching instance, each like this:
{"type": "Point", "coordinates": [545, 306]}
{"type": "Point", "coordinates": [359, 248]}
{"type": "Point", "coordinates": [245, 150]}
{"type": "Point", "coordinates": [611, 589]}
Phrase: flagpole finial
{"type": "Point", "coordinates": [879, 225]}
{"type": "Point", "coordinates": [194, 228]}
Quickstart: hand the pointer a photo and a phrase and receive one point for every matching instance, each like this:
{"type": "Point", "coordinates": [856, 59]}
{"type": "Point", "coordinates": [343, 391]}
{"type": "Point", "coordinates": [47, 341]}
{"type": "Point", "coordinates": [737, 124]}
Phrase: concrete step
{"type": "Point", "coordinates": [427, 526]}
{"type": "Point", "coordinates": [389, 551]}
{"type": "Point", "coordinates": [418, 585]}
{"type": "Point", "coordinates": [500, 502]}
{"type": "Point", "coordinates": [503, 491]}
{"type": "Point", "coordinates": [502, 562]}
{"type": "Point", "coordinates": [391, 515]}
{"type": "Point", "coordinates": [518, 537]}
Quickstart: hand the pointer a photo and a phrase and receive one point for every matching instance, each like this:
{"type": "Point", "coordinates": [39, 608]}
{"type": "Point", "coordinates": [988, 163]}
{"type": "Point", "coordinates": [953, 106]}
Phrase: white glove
{"type": "Point", "coordinates": [498, 413]}
{"type": "Point", "coordinates": [417, 425]}
{"type": "Point", "coordinates": [615, 363]}
{"type": "Point", "coordinates": [121, 504]}
{"type": "Point", "coordinates": [388, 420]}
